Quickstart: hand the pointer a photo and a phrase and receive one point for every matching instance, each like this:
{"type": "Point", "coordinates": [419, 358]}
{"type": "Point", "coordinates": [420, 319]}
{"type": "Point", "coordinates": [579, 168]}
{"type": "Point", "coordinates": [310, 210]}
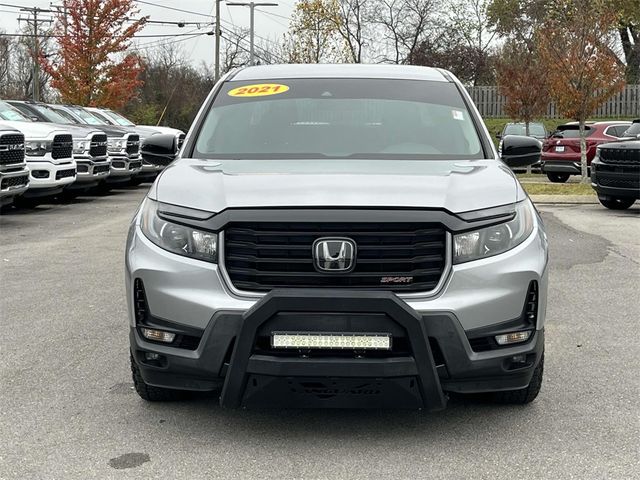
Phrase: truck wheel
{"type": "Point", "coordinates": [525, 395]}
{"type": "Point", "coordinates": [150, 393]}
{"type": "Point", "coordinates": [616, 203]}
{"type": "Point", "coordinates": [558, 177]}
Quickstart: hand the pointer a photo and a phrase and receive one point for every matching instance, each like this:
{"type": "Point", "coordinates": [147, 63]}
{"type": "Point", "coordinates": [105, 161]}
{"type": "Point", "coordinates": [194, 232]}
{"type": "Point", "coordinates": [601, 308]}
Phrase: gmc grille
{"type": "Point", "coordinates": [98, 145]}
{"type": "Point", "coordinates": [62, 147]}
{"type": "Point", "coordinates": [11, 148]}
{"type": "Point", "coordinates": [402, 257]}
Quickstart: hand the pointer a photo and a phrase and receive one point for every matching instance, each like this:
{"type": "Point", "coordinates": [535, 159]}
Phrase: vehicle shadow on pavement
{"type": "Point", "coordinates": [202, 416]}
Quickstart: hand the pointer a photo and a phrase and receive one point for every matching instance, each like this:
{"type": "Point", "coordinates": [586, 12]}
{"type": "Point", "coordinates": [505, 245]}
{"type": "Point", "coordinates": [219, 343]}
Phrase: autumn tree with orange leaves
{"type": "Point", "coordinates": [578, 52]}
{"type": "Point", "coordinates": [91, 67]}
{"type": "Point", "coordinates": [522, 79]}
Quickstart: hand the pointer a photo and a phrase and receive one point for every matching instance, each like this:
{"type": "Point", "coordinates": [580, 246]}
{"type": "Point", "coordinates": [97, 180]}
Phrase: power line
{"type": "Point", "coordinates": [174, 9]}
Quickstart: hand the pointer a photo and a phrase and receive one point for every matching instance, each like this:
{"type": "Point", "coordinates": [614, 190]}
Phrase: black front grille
{"type": "Point", "coordinates": [133, 144]}
{"type": "Point", "coordinates": [65, 173]}
{"type": "Point", "coordinates": [14, 182]}
{"type": "Point", "coordinates": [620, 156]}
{"type": "Point", "coordinates": [134, 165]}
{"type": "Point", "coordinates": [100, 168]}
{"type": "Point", "coordinates": [82, 167]}
{"type": "Point", "coordinates": [11, 148]}
{"type": "Point", "coordinates": [403, 257]}
{"type": "Point", "coordinates": [98, 146]}
{"type": "Point", "coordinates": [62, 147]}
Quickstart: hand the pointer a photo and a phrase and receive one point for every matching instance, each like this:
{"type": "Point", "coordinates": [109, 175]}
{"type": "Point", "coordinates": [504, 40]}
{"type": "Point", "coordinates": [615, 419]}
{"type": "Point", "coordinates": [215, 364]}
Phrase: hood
{"type": "Point", "coordinates": [165, 130]}
{"type": "Point", "coordinates": [111, 131]}
{"type": "Point", "coordinates": [76, 131]}
{"type": "Point", "coordinates": [35, 130]}
{"type": "Point", "coordinates": [457, 186]}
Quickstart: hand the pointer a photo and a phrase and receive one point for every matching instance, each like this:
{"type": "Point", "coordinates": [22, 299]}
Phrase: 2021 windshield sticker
{"type": "Point", "coordinates": [457, 114]}
{"type": "Point", "coordinates": [258, 90]}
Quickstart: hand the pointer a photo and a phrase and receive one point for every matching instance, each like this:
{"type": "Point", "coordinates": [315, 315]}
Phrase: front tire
{"type": "Point", "coordinates": [525, 395]}
{"type": "Point", "coordinates": [149, 392]}
{"type": "Point", "coordinates": [555, 177]}
{"type": "Point", "coordinates": [616, 203]}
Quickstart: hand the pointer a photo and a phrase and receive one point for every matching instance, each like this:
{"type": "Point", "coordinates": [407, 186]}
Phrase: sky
{"type": "Point", "coordinates": [270, 22]}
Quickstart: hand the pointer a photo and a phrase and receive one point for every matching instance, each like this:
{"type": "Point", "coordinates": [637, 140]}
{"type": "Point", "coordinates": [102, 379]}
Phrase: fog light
{"type": "Point", "coordinates": [514, 337]}
{"type": "Point", "coordinates": [158, 335]}
{"type": "Point", "coordinates": [151, 356]}
{"type": "Point", "coordinates": [40, 174]}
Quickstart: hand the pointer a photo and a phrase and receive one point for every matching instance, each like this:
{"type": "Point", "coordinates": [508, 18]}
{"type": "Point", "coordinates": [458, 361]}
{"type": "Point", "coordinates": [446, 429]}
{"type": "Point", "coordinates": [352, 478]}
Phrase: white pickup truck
{"type": "Point", "coordinates": [48, 152]}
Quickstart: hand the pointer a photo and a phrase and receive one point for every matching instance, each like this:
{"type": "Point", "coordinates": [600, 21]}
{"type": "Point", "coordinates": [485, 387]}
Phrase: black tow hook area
{"type": "Point", "coordinates": [264, 380]}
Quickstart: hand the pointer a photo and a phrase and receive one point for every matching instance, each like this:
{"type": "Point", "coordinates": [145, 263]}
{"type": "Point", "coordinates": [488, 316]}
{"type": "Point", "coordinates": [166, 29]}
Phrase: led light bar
{"type": "Point", "coordinates": [351, 341]}
{"type": "Point", "coordinates": [514, 337]}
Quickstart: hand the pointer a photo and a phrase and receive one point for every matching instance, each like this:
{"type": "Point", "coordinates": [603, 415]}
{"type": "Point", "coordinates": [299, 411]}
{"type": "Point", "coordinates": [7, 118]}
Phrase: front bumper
{"type": "Point", "coordinates": [13, 183]}
{"type": "Point", "coordinates": [621, 181]}
{"type": "Point", "coordinates": [193, 299]}
{"type": "Point", "coordinates": [123, 168]}
{"type": "Point", "coordinates": [48, 178]}
{"type": "Point", "coordinates": [90, 172]}
{"type": "Point", "coordinates": [436, 356]}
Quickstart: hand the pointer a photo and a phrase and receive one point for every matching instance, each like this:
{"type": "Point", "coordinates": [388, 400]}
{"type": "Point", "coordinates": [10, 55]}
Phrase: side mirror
{"type": "Point", "coordinates": [520, 151]}
{"type": "Point", "coordinates": [160, 149]}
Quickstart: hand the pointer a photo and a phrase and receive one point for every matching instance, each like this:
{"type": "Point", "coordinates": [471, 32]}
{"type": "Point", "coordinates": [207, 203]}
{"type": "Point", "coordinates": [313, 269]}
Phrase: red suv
{"type": "Point", "coordinates": [561, 150]}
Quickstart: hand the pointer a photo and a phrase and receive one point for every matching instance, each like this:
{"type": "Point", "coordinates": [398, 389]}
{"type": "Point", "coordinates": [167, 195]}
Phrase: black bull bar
{"type": "Point", "coordinates": [412, 379]}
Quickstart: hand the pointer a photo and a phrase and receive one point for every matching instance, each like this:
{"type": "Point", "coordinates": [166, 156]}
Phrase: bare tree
{"type": "Point", "coordinates": [405, 24]}
{"type": "Point", "coordinates": [353, 24]}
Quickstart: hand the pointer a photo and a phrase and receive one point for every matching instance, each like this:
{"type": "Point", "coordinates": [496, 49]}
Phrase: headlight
{"type": "Point", "coordinates": [496, 239]}
{"type": "Point", "coordinates": [80, 146]}
{"type": "Point", "coordinates": [116, 145]}
{"type": "Point", "coordinates": [175, 238]}
{"type": "Point", "coordinates": [37, 148]}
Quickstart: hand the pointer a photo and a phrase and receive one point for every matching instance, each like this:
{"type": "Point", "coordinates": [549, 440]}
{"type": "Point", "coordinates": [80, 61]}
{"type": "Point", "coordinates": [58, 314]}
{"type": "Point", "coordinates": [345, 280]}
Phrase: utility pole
{"type": "Point", "coordinates": [35, 23]}
{"type": "Point", "coordinates": [252, 6]}
{"type": "Point", "coordinates": [217, 66]}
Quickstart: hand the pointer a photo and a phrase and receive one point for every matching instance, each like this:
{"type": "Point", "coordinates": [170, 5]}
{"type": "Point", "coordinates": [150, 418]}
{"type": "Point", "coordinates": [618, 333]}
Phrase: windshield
{"type": "Point", "coordinates": [535, 129]}
{"type": "Point", "coordinates": [102, 118]}
{"type": "Point", "coordinates": [86, 116]}
{"type": "Point", "coordinates": [571, 131]}
{"type": "Point", "coordinates": [119, 119]}
{"type": "Point", "coordinates": [339, 118]}
{"type": "Point", "coordinates": [52, 115]}
{"type": "Point", "coordinates": [68, 116]}
{"type": "Point", "coordinates": [7, 112]}
{"type": "Point", "coordinates": [632, 131]}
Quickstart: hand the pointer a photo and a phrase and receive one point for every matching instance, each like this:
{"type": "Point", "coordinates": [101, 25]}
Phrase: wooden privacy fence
{"type": "Point", "coordinates": [625, 104]}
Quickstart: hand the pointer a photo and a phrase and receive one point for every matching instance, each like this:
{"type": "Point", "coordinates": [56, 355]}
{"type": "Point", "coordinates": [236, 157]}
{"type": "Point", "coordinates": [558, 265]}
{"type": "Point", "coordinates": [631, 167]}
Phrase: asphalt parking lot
{"type": "Point", "coordinates": [68, 411]}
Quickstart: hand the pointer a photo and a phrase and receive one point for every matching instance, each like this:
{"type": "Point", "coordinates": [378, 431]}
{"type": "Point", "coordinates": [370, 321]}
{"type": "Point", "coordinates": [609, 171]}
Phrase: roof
{"type": "Point", "coordinates": [348, 70]}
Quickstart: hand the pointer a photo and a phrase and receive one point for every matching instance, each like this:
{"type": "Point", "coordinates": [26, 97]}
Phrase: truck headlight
{"type": "Point", "coordinates": [178, 239]}
{"type": "Point", "coordinates": [496, 239]}
{"type": "Point", "coordinates": [37, 148]}
{"type": "Point", "coordinates": [80, 146]}
{"type": "Point", "coordinates": [114, 145]}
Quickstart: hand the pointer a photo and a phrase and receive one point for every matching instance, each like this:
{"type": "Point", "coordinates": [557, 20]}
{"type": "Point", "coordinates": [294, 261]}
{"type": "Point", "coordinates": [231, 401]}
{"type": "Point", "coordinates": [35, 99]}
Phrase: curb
{"type": "Point", "coordinates": [565, 199]}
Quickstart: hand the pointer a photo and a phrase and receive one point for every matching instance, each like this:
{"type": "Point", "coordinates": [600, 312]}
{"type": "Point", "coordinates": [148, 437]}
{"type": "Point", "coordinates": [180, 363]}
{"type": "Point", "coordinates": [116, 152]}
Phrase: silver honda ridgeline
{"type": "Point", "coordinates": [338, 236]}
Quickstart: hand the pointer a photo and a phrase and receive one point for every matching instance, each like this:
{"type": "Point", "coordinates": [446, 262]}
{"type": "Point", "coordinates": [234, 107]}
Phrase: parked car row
{"type": "Point", "coordinates": [47, 149]}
